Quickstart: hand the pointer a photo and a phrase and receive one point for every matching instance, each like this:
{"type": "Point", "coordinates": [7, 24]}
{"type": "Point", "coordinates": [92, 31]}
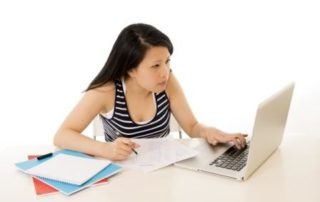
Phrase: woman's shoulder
{"type": "Point", "coordinates": [103, 94]}
{"type": "Point", "coordinates": [106, 88]}
{"type": "Point", "coordinates": [172, 85]}
{"type": "Point", "coordinates": [101, 97]}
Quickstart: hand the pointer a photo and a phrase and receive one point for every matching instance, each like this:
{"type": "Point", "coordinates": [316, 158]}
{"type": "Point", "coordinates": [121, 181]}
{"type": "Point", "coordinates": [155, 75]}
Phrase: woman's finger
{"type": "Point", "coordinates": [237, 143]}
{"type": "Point", "coordinates": [213, 141]}
{"type": "Point", "coordinates": [125, 148]}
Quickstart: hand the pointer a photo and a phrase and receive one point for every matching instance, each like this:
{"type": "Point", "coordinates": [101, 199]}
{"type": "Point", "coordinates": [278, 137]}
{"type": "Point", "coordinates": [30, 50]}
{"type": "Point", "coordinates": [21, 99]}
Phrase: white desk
{"type": "Point", "coordinates": [291, 174]}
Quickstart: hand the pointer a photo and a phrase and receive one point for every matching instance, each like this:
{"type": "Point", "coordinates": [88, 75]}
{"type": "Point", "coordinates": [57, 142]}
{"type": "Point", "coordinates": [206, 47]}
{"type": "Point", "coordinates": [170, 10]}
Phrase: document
{"type": "Point", "coordinates": [155, 153]}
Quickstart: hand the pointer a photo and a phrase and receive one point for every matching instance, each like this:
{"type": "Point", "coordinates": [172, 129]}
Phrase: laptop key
{"type": "Point", "coordinates": [232, 158]}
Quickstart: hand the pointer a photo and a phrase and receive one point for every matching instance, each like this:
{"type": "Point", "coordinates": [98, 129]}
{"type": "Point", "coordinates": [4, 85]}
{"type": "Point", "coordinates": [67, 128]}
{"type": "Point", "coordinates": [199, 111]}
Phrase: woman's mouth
{"type": "Point", "coordinates": [163, 83]}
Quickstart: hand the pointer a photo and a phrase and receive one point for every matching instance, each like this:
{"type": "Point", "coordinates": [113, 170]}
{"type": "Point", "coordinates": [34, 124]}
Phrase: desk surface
{"type": "Point", "coordinates": [292, 173]}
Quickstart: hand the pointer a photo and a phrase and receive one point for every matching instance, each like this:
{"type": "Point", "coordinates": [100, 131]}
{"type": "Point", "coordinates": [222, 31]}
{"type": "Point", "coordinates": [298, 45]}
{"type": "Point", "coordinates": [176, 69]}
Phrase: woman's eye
{"type": "Point", "coordinates": [157, 65]}
{"type": "Point", "coordinates": [168, 61]}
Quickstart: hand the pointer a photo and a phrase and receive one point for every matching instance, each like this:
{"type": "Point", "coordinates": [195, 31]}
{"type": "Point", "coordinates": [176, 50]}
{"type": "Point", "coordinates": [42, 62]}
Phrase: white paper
{"type": "Point", "coordinates": [68, 169]}
{"type": "Point", "coordinates": [155, 153]}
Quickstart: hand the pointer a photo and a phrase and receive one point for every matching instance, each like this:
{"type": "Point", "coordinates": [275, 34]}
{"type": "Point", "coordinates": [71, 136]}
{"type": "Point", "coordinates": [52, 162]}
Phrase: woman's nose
{"type": "Point", "coordinates": [164, 71]}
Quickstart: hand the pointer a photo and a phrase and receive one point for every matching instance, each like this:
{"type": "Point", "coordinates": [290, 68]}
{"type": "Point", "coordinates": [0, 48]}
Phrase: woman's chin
{"type": "Point", "coordinates": [159, 90]}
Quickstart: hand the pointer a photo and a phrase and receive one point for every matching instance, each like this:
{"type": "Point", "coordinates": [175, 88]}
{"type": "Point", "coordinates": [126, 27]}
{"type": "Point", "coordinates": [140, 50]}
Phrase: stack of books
{"type": "Point", "coordinates": [66, 171]}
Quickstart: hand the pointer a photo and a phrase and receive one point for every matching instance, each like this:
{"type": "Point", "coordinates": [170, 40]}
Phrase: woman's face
{"type": "Point", "coordinates": [153, 72]}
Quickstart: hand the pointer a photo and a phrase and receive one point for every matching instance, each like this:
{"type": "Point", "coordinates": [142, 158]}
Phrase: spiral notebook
{"type": "Point", "coordinates": [67, 188]}
{"type": "Point", "coordinates": [68, 169]}
{"type": "Point", "coordinates": [41, 188]}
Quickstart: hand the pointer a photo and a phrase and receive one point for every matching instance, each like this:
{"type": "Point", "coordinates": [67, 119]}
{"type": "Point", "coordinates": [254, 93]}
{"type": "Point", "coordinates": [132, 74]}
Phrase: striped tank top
{"type": "Point", "coordinates": [121, 124]}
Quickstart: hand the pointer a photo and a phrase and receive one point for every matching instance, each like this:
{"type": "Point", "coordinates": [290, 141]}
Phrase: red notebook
{"type": "Point", "coordinates": [42, 188]}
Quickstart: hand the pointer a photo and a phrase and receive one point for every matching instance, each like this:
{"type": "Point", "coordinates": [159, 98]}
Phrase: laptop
{"type": "Point", "coordinates": [267, 133]}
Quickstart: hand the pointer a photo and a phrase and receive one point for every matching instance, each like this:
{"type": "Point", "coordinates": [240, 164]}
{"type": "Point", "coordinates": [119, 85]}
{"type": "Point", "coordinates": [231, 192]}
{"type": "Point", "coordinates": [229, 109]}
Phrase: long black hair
{"type": "Point", "coordinates": [128, 51]}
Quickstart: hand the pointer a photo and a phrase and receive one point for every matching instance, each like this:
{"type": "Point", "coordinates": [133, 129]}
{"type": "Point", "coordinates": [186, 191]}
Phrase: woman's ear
{"type": "Point", "coordinates": [132, 72]}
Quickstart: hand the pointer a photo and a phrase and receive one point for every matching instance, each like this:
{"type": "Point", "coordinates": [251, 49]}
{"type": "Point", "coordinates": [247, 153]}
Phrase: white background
{"type": "Point", "coordinates": [229, 56]}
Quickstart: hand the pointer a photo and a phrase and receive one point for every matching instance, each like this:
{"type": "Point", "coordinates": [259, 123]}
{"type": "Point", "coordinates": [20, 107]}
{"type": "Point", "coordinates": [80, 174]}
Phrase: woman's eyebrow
{"type": "Point", "coordinates": [168, 58]}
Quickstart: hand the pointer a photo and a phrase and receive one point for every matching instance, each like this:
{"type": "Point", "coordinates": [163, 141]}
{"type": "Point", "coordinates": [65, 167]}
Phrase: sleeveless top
{"type": "Point", "coordinates": [122, 125]}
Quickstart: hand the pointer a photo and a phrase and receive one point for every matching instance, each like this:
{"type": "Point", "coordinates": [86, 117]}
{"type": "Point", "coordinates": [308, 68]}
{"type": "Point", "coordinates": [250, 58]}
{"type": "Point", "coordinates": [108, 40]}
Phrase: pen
{"type": "Point", "coordinates": [135, 151]}
{"type": "Point", "coordinates": [44, 156]}
{"type": "Point", "coordinates": [119, 135]}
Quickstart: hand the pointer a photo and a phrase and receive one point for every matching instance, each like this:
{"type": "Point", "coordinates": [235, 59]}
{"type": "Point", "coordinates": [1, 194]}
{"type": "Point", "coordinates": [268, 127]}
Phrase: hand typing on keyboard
{"type": "Point", "coordinates": [215, 136]}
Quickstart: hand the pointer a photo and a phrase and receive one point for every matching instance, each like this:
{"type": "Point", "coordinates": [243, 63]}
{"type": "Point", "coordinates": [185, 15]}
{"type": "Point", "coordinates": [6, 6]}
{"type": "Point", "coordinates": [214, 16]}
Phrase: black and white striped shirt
{"type": "Point", "coordinates": [121, 124]}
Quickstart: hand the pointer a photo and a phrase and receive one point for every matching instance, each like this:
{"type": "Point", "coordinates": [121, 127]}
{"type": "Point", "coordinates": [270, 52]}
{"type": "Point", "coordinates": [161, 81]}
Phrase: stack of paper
{"type": "Point", "coordinates": [69, 171]}
{"type": "Point", "coordinates": [42, 188]}
{"type": "Point", "coordinates": [155, 153]}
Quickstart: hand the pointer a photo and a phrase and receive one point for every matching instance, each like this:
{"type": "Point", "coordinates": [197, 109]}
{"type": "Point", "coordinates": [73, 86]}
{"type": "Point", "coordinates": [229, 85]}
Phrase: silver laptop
{"type": "Point", "coordinates": [268, 130]}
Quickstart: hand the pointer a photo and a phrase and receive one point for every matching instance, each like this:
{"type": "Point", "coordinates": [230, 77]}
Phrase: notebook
{"type": "Point", "coordinates": [42, 188]}
{"type": "Point", "coordinates": [68, 169]}
{"type": "Point", "coordinates": [267, 134]}
{"type": "Point", "coordinates": [67, 188]}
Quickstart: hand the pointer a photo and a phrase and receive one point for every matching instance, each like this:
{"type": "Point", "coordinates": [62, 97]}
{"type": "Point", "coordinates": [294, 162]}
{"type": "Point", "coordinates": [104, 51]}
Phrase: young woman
{"type": "Point", "coordinates": [134, 94]}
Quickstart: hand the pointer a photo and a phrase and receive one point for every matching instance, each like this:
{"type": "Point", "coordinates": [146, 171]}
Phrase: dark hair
{"type": "Point", "coordinates": [128, 51]}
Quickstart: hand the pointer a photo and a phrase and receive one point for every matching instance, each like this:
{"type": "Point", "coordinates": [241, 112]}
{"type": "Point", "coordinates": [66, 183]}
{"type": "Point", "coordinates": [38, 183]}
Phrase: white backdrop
{"type": "Point", "coordinates": [229, 55]}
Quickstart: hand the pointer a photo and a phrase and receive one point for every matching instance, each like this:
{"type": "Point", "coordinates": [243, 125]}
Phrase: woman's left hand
{"type": "Point", "coordinates": [215, 136]}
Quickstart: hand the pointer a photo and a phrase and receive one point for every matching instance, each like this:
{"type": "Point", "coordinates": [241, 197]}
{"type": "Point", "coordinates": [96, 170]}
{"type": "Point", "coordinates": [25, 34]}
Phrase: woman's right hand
{"type": "Point", "coordinates": [120, 149]}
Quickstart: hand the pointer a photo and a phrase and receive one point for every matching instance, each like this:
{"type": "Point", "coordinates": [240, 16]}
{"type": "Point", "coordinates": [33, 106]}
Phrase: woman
{"type": "Point", "coordinates": [134, 94]}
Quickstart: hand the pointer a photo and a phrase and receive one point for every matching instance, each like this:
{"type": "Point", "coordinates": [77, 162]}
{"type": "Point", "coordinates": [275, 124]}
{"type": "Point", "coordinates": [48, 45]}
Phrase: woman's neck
{"type": "Point", "coordinates": [133, 87]}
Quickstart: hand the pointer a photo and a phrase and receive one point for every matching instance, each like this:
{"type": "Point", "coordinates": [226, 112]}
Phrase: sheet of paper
{"type": "Point", "coordinates": [156, 153]}
{"type": "Point", "coordinates": [69, 169]}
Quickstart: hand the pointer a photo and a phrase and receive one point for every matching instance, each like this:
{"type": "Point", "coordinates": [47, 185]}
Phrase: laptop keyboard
{"type": "Point", "coordinates": [232, 158]}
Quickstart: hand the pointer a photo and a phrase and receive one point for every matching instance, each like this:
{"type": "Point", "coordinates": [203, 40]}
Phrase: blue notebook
{"type": "Point", "coordinates": [67, 188]}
